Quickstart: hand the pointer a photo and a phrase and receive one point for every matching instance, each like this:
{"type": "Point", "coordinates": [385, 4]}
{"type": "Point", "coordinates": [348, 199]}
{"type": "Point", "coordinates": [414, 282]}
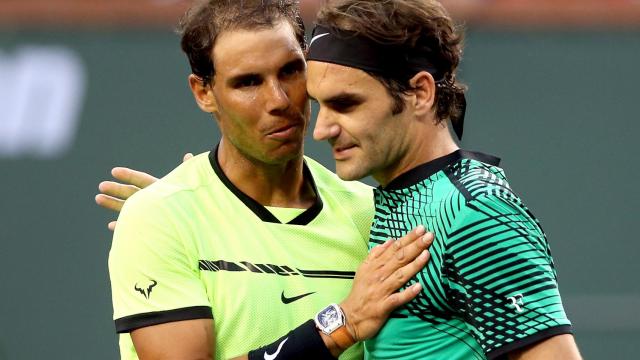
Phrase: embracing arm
{"type": "Point", "coordinates": [113, 194]}
{"type": "Point", "coordinates": [372, 298]}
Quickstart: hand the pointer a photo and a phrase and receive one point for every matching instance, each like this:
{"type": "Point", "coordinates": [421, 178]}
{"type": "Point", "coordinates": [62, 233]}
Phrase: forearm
{"type": "Point", "coordinates": [304, 342]}
{"type": "Point", "coordinates": [331, 345]}
{"type": "Point", "coordinates": [372, 298]}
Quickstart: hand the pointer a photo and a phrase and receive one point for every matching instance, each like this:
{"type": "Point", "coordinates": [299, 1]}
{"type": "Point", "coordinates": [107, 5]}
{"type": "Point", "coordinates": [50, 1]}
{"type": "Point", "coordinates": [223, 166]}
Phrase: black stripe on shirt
{"type": "Point", "coordinates": [129, 323]}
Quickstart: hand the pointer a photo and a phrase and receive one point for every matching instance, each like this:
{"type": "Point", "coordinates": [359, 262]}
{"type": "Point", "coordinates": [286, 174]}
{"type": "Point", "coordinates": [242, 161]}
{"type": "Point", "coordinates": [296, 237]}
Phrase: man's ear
{"type": "Point", "coordinates": [203, 93]}
{"type": "Point", "coordinates": [424, 90]}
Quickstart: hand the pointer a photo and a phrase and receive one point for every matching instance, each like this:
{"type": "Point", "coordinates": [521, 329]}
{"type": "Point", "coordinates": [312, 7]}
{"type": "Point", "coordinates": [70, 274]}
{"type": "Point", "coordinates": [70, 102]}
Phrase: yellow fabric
{"type": "Point", "coordinates": [177, 230]}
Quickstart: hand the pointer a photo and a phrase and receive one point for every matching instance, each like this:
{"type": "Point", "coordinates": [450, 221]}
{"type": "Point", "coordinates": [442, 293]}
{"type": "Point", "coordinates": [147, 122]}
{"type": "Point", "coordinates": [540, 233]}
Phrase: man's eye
{"type": "Point", "coordinates": [289, 72]}
{"type": "Point", "coordinates": [291, 69]}
{"type": "Point", "coordinates": [247, 82]}
{"type": "Point", "coordinates": [343, 106]}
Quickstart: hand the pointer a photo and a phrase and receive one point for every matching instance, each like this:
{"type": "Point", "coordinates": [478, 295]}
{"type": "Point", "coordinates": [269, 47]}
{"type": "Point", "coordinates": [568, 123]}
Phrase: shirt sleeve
{"type": "Point", "coordinates": [154, 278]}
{"type": "Point", "coordinates": [503, 281]}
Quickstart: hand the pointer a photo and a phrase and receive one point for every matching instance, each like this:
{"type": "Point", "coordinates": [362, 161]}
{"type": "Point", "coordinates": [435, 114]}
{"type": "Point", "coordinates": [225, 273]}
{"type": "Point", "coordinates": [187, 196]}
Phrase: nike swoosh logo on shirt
{"type": "Point", "coordinates": [275, 354]}
{"type": "Point", "coordinates": [317, 37]}
{"type": "Point", "coordinates": [287, 300]}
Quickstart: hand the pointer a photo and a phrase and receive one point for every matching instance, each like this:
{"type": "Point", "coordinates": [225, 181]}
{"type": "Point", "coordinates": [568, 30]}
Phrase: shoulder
{"type": "Point", "coordinates": [475, 179]}
{"type": "Point", "coordinates": [156, 216]}
{"type": "Point", "coordinates": [481, 194]}
{"type": "Point", "coordinates": [171, 191]}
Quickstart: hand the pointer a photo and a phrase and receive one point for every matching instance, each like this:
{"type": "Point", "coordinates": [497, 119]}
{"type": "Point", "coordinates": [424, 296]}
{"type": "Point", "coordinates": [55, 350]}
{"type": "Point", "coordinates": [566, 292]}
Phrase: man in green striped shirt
{"type": "Point", "coordinates": [384, 75]}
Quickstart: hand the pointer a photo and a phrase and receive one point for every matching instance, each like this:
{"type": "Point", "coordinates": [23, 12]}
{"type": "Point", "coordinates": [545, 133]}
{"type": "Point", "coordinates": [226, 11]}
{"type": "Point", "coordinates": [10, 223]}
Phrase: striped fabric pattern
{"type": "Point", "coordinates": [490, 285]}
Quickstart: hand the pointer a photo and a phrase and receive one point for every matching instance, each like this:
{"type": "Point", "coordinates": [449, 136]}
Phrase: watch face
{"type": "Point", "coordinates": [329, 317]}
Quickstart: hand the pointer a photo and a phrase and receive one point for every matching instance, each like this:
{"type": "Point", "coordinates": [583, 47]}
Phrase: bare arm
{"type": "Point", "coordinates": [560, 347]}
{"type": "Point", "coordinates": [188, 340]}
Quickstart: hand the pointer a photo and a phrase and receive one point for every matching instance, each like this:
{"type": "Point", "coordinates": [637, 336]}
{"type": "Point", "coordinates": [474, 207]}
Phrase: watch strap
{"type": "Point", "coordinates": [342, 337]}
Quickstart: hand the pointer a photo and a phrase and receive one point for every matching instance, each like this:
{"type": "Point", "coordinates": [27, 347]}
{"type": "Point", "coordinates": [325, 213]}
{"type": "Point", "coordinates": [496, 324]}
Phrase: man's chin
{"type": "Point", "coordinates": [285, 153]}
{"type": "Point", "coordinates": [349, 173]}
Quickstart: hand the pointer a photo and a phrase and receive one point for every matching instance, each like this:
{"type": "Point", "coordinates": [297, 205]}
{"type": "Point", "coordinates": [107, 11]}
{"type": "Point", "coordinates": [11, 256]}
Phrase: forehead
{"type": "Point", "coordinates": [255, 51]}
{"type": "Point", "coordinates": [326, 79]}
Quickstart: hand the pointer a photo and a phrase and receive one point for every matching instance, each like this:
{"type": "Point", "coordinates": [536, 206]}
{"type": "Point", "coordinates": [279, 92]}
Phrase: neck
{"type": "Point", "coordinates": [430, 142]}
{"type": "Point", "coordinates": [279, 185]}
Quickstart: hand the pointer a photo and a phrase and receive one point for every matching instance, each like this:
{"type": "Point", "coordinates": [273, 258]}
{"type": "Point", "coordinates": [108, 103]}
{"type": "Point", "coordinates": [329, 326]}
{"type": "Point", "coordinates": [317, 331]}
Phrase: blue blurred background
{"type": "Point", "coordinates": [86, 85]}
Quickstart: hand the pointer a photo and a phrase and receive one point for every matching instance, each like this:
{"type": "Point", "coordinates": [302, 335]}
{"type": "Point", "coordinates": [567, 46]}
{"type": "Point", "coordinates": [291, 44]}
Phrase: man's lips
{"type": "Point", "coordinates": [343, 151]}
{"type": "Point", "coordinates": [284, 132]}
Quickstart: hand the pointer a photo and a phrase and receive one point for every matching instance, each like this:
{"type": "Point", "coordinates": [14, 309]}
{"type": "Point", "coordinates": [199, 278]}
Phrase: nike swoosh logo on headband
{"type": "Point", "coordinates": [317, 37]}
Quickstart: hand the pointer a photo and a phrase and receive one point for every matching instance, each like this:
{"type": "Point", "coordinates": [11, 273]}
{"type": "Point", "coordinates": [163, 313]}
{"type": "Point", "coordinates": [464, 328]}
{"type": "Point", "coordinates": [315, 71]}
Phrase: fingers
{"type": "Point", "coordinates": [396, 245]}
{"type": "Point", "coordinates": [109, 202]}
{"type": "Point", "coordinates": [403, 260]}
{"type": "Point", "coordinates": [114, 194]}
{"type": "Point", "coordinates": [406, 249]}
{"type": "Point", "coordinates": [385, 259]}
{"type": "Point", "coordinates": [398, 249]}
{"type": "Point", "coordinates": [117, 190]}
{"type": "Point", "coordinates": [187, 156]}
{"type": "Point", "coordinates": [416, 247]}
{"type": "Point", "coordinates": [401, 277]}
{"type": "Point", "coordinates": [402, 297]}
{"type": "Point", "coordinates": [378, 250]}
{"type": "Point", "coordinates": [133, 177]}
{"type": "Point", "coordinates": [388, 268]}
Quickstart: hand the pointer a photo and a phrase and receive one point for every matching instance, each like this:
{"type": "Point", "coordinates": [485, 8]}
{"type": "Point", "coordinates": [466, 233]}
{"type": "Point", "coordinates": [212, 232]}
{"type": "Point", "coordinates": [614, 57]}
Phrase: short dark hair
{"type": "Point", "coordinates": [423, 26]}
{"type": "Point", "coordinates": [207, 19]}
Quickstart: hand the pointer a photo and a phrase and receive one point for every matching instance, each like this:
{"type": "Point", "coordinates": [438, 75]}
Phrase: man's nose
{"type": "Point", "coordinates": [326, 128]}
{"type": "Point", "coordinates": [277, 97]}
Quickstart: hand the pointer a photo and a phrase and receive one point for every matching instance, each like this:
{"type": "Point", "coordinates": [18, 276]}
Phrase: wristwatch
{"type": "Point", "coordinates": [332, 322]}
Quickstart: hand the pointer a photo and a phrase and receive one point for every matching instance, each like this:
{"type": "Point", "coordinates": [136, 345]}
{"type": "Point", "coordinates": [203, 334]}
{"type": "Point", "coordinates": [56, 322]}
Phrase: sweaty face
{"type": "Point", "coordinates": [260, 95]}
{"type": "Point", "coordinates": [356, 118]}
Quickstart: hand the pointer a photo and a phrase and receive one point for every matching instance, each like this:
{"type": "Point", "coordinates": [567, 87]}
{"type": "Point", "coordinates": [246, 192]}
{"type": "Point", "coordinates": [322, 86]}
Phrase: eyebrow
{"type": "Point", "coordinates": [344, 97]}
{"type": "Point", "coordinates": [298, 62]}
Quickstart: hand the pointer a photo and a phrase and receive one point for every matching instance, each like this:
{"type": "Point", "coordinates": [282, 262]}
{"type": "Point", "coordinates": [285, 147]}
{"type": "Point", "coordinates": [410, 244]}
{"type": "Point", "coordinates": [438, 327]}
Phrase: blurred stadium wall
{"type": "Point", "coordinates": [89, 84]}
